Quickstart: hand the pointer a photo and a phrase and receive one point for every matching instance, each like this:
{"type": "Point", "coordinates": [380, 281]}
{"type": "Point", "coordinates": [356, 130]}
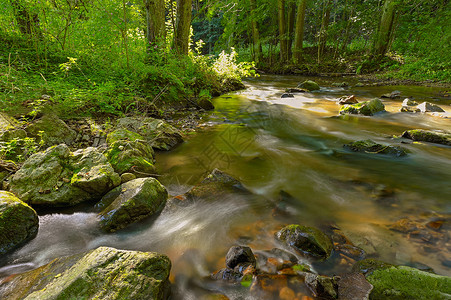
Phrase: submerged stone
{"type": "Point", "coordinates": [306, 240]}
{"type": "Point", "coordinates": [370, 146]}
{"type": "Point", "coordinates": [400, 282]}
{"type": "Point", "coordinates": [18, 222]}
{"type": "Point", "coordinates": [367, 108]}
{"type": "Point", "coordinates": [239, 255]}
{"type": "Point", "coordinates": [295, 90]}
{"type": "Point", "coordinates": [131, 202]}
{"type": "Point", "coordinates": [428, 136]}
{"type": "Point", "coordinates": [309, 85]}
{"type": "Point", "coordinates": [103, 273]}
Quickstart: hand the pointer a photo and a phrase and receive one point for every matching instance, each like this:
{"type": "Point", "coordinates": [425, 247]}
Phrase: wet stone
{"type": "Point", "coordinates": [239, 255]}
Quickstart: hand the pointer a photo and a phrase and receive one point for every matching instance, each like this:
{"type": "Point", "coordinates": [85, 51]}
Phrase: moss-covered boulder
{"type": "Point", "coordinates": [306, 240]}
{"type": "Point", "coordinates": [367, 108]}
{"type": "Point", "coordinates": [309, 85]}
{"type": "Point", "coordinates": [159, 134]}
{"type": "Point", "coordinates": [131, 156]}
{"type": "Point", "coordinates": [18, 222]}
{"type": "Point", "coordinates": [103, 273]}
{"type": "Point", "coordinates": [57, 177]}
{"type": "Point", "coordinates": [131, 202]}
{"type": "Point", "coordinates": [400, 282]}
{"type": "Point", "coordinates": [52, 130]}
{"type": "Point", "coordinates": [369, 146]}
{"type": "Point", "coordinates": [217, 183]}
{"type": "Point", "coordinates": [123, 134]}
{"type": "Point", "coordinates": [428, 136]}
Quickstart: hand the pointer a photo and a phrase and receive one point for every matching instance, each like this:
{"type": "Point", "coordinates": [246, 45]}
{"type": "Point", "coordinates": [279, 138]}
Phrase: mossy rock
{"type": "Point", "coordinates": [400, 282]}
{"type": "Point", "coordinates": [18, 222]}
{"type": "Point", "coordinates": [367, 108]}
{"type": "Point", "coordinates": [428, 136]}
{"type": "Point", "coordinates": [306, 240]}
{"type": "Point", "coordinates": [103, 273]}
{"type": "Point", "coordinates": [122, 135]}
{"type": "Point", "coordinates": [367, 266]}
{"type": "Point", "coordinates": [54, 131]}
{"type": "Point", "coordinates": [131, 202]}
{"type": "Point", "coordinates": [309, 85]}
{"type": "Point", "coordinates": [7, 123]}
{"type": "Point", "coordinates": [369, 146]}
{"type": "Point", "coordinates": [131, 156]}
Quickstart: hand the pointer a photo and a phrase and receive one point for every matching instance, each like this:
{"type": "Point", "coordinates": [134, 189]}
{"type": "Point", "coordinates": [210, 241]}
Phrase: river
{"type": "Point", "coordinates": [289, 153]}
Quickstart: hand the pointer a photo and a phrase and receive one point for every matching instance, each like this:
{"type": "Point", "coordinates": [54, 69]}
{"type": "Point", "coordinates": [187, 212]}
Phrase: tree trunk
{"type": "Point", "coordinates": [385, 29]}
{"type": "Point", "coordinates": [28, 22]}
{"type": "Point", "coordinates": [155, 13]}
{"type": "Point", "coordinates": [299, 31]}
{"type": "Point", "coordinates": [282, 31]}
{"type": "Point", "coordinates": [291, 19]}
{"type": "Point", "coordinates": [322, 40]}
{"type": "Point", "coordinates": [183, 26]}
{"type": "Point", "coordinates": [257, 47]}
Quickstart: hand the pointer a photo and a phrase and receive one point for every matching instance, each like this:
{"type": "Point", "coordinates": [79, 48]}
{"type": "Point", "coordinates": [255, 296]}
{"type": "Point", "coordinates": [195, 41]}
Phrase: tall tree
{"type": "Point", "coordinates": [290, 29]}
{"type": "Point", "coordinates": [257, 47]}
{"type": "Point", "coordinates": [299, 31]}
{"type": "Point", "coordinates": [183, 26]}
{"type": "Point", "coordinates": [282, 31]}
{"type": "Point", "coordinates": [385, 29]}
{"type": "Point", "coordinates": [28, 21]}
{"type": "Point", "coordinates": [155, 14]}
{"type": "Point", "coordinates": [322, 38]}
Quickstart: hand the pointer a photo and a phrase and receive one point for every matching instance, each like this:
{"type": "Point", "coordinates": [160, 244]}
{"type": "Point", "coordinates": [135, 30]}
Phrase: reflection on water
{"type": "Point", "coordinates": [294, 145]}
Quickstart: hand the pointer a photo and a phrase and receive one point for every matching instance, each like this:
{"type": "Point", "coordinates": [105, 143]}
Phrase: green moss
{"type": "Point", "coordinates": [370, 146]}
{"type": "Point", "coordinates": [428, 136]}
{"type": "Point", "coordinates": [123, 134]}
{"type": "Point", "coordinates": [309, 85]}
{"type": "Point", "coordinates": [367, 108]}
{"type": "Point", "coordinates": [133, 156]}
{"type": "Point", "coordinates": [408, 283]}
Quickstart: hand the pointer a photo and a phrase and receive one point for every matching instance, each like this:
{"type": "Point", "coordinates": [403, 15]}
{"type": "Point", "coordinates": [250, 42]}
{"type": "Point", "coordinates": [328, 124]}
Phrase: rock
{"type": "Point", "coordinates": [103, 273]}
{"type": "Point", "coordinates": [123, 134]}
{"type": "Point", "coordinates": [217, 183]}
{"type": "Point", "coordinates": [429, 107]}
{"type": "Point", "coordinates": [7, 122]}
{"type": "Point", "coordinates": [340, 84]}
{"type": "Point", "coordinates": [400, 282]}
{"type": "Point", "coordinates": [409, 102]}
{"type": "Point", "coordinates": [295, 90]}
{"type": "Point", "coordinates": [126, 177]}
{"type": "Point", "coordinates": [369, 146]}
{"type": "Point", "coordinates": [347, 100]}
{"type": "Point", "coordinates": [204, 102]}
{"type": "Point", "coordinates": [239, 255]}
{"type": "Point", "coordinates": [57, 177]}
{"type": "Point", "coordinates": [392, 95]}
{"type": "Point", "coordinates": [287, 95]}
{"type": "Point", "coordinates": [309, 85]}
{"type": "Point", "coordinates": [411, 109]}
{"type": "Point", "coordinates": [354, 286]}
{"type": "Point", "coordinates": [54, 131]}
{"type": "Point", "coordinates": [131, 156]}
{"type": "Point", "coordinates": [428, 136]}
{"type": "Point", "coordinates": [306, 240]}
{"type": "Point", "coordinates": [131, 202]}
{"type": "Point", "coordinates": [159, 134]}
{"type": "Point", "coordinates": [367, 108]}
{"type": "Point", "coordinates": [18, 222]}
{"type": "Point", "coordinates": [367, 266]}
{"type": "Point", "coordinates": [323, 287]}
{"type": "Point", "coordinates": [359, 84]}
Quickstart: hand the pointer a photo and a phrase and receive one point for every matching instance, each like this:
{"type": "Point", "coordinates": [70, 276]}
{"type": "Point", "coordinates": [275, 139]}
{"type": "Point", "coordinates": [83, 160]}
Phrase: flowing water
{"type": "Point", "coordinates": [294, 145]}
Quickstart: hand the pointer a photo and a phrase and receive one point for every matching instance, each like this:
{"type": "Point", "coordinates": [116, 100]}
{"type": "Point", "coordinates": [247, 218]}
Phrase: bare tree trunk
{"type": "Point", "coordinates": [299, 31]}
{"type": "Point", "coordinates": [291, 19]}
{"type": "Point", "coordinates": [282, 31]}
{"type": "Point", "coordinates": [385, 29]}
{"type": "Point", "coordinates": [257, 47]}
{"type": "Point", "coordinates": [322, 40]}
{"type": "Point", "coordinates": [155, 19]}
{"type": "Point", "coordinates": [183, 26]}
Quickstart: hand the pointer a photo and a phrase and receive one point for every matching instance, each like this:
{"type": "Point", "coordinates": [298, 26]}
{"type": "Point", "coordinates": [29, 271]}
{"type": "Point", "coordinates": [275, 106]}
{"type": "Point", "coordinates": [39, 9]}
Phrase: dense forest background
{"type": "Point", "coordinates": [104, 56]}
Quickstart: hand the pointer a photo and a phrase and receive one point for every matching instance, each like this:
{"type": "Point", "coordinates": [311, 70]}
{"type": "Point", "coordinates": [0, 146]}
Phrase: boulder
{"type": "Point", "coordinates": [54, 131]}
{"type": "Point", "coordinates": [354, 286]}
{"type": "Point", "coordinates": [429, 107]}
{"type": "Point", "coordinates": [309, 85]}
{"type": "Point", "coordinates": [7, 122]}
{"type": "Point", "coordinates": [306, 240]}
{"type": "Point", "coordinates": [323, 287]}
{"type": "Point", "coordinates": [287, 95]}
{"type": "Point", "coordinates": [347, 100]}
{"type": "Point", "coordinates": [367, 108]}
{"type": "Point", "coordinates": [369, 146]}
{"type": "Point", "coordinates": [123, 134]}
{"type": "Point", "coordinates": [400, 282]}
{"type": "Point", "coordinates": [159, 134]}
{"type": "Point", "coordinates": [57, 177]}
{"type": "Point", "coordinates": [103, 273]}
{"type": "Point", "coordinates": [217, 183]}
{"type": "Point", "coordinates": [18, 222]}
{"type": "Point", "coordinates": [392, 95]}
{"type": "Point", "coordinates": [131, 202]}
{"type": "Point", "coordinates": [409, 102]}
{"type": "Point", "coordinates": [295, 90]}
{"type": "Point", "coordinates": [428, 136]}
{"type": "Point", "coordinates": [240, 255]}
{"type": "Point", "coordinates": [131, 156]}
{"type": "Point", "coordinates": [204, 101]}
{"type": "Point", "coordinates": [126, 177]}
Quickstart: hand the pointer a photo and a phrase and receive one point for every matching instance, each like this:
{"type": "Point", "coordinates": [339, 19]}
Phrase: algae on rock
{"type": "Point", "coordinates": [367, 108]}
{"type": "Point", "coordinates": [428, 136]}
